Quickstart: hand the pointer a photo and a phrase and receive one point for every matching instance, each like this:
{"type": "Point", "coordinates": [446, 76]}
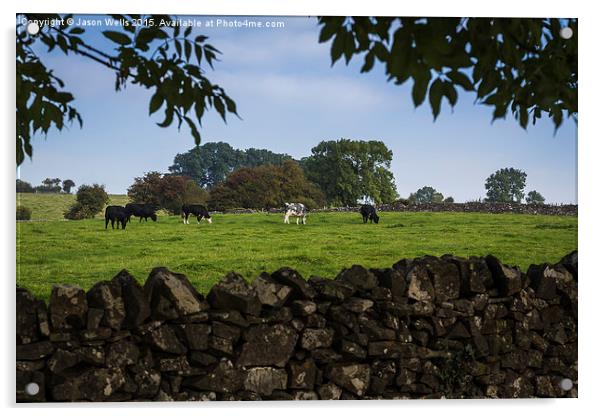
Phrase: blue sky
{"type": "Point", "coordinates": [290, 98]}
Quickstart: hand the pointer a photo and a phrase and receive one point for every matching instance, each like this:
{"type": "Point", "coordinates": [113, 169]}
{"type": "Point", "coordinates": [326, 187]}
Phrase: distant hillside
{"type": "Point", "coordinates": [52, 206]}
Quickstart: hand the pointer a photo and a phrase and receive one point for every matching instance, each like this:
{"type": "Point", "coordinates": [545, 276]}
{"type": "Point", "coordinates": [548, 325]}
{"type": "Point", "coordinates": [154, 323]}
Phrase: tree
{"type": "Point", "coordinates": [426, 195]}
{"type": "Point", "coordinates": [351, 170]}
{"type": "Point", "coordinates": [24, 187]}
{"type": "Point", "coordinates": [89, 201]}
{"type": "Point", "coordinates": [264, 187]}
{"type": "Point", "coordinates": [210, 163]}
{"type": "Point", "coordinates": [534, 197]}
{"type": "Point", "coordinates": [448, 200]}
{"type": "Point", "coordinates": [145, 189]}
{"type": "Point", "coordinates": [506, 185]}
{"type": "Point", "coordinates": [147, 52]}
{"type": "Point", "coordinates": [49, 185]}
{"type": "Point", "coordinates": [524, 66]}
{"type": "Point", "coordinates": [164, 191]}
{"type": "Point", "coordinates": [67, 185]}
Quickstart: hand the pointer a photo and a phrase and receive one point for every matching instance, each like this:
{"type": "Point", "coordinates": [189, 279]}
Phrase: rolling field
{"type": "Point", "coordinates": [46, 207]}
{"type": "Point", "coordinates": [83, 252]}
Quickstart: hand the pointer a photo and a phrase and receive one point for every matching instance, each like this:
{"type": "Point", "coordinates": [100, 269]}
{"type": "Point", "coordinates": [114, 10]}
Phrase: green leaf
{"type": "Point", "coordinates": [187, 49]}
{"type": "Point", "coordinates": [62, 42]}
{"type": "Point", "coordinates": [368, 62]}
{"type": "Point", "coordinates": [219, 106]}
{"type": "Point", "coordinates": [337, 48]}
{"type": "Point", "coordinates": [435, 95]}
{"type": "Point", "coordinates": [230, 105]}
{"type": "Point", "coordinates": [117, 37]}
{"type": "Point", "coordinates": [422, 77]}
{"type": "Point", "coordinates": [380, 51]}
{"type": "Point", "coordinates": [168, 117]}
{"type": "Point", "coordinates": [198, 51]}
{"type": "Point", "coordinates": [450, 92]}
{"type": "Point", "coordinates": [524, 117]}
{"type": "Point", "coordinates": [77, 31]}
{"type": "Point", "coordinates": [194, 131]}
{"type": "Point", "coordinates": [460, 79]}
{"type": "Point", "coordinates": [349, 46]}
{"type": "Point", "coordinates": [328, 31]}
{"type": "Point", "coordinates": [155, 103]}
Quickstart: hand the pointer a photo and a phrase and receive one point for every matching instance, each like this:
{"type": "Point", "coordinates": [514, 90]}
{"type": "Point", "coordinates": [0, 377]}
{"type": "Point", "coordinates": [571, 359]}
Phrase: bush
{"type": "Point", "coordinates": [23, 213]}
{"type": "Point", "coordinates": [77, 211]}
{"type": "Point", "coordinates": [90, 200]}
{"type": "Point", "coordinates": [24, 187]}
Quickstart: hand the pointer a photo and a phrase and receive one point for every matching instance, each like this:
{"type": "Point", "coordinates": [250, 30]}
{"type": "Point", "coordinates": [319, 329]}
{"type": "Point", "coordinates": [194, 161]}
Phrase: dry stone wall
{"type": "Point", "coordinates": [483, 207]}
{"type": "Point", "coordinates": [429, 327]}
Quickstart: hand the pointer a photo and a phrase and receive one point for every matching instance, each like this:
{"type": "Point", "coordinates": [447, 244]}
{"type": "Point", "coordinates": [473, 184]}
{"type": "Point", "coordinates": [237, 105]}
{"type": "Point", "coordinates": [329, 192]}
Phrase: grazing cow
{"type": "Point", "coordinates": [145, 211]}
{"type": "Point", "coordinates": [116, 213]}
{"type": "Point", "coordinates": [369, 213]}
{"type": "Point", "coordinates": [295, 209]}
{"type": "Point", "coordinates": [199, 211]}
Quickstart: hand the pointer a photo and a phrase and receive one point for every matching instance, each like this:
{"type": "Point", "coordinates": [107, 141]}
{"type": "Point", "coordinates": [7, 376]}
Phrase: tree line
{"type": "Point", "coordinates": [48, 185]}
{"type": "Point", "coordinates": [340, 172]}
{"type": "Point", "coordinates": [337, 173]}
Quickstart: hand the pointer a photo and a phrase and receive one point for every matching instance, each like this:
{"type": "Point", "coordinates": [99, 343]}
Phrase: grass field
{"type": "Point", "coordinates": [83, 252]}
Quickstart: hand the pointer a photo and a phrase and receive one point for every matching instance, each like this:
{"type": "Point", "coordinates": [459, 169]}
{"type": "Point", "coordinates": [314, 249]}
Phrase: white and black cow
{"type": "Point", "coordinates": [199, 211]}
{"type": "Point", "coordinates": [295, 209]}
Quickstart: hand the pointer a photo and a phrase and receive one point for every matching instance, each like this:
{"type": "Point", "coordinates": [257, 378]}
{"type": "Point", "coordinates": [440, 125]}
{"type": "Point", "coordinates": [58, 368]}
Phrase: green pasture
{"type": "Point", "coordinates": [83, 252]}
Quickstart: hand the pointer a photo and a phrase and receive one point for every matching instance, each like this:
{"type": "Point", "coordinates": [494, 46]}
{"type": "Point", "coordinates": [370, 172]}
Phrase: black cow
{"type": "Point", "coordinates": [369, 213]}
{"type": "Point", "coordinates": [199, 211]}
{"type": "Point", "coordinates": [116, 213]}
{"type": "Point", "coordinates": [145, 211]}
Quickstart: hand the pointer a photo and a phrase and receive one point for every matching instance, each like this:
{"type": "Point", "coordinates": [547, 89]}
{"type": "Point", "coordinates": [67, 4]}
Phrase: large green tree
{"type": "Point", "coordinates": [266, 186]}
{"type": "Point", "coordinates": [506, 185]}
{"type": "Point", "coordinates": [351, 170]}
{"type": "Point", "coordinates": [164, 59]}
{"type": "Point", "coordinates": [525, 66]}
{"type": "Point", "coordinates": [210, 163]}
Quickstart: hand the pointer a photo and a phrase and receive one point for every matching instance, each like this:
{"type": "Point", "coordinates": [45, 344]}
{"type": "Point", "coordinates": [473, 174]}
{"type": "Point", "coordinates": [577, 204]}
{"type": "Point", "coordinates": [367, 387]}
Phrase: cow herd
{"type": "Point", "coordinates": [122, 215]}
